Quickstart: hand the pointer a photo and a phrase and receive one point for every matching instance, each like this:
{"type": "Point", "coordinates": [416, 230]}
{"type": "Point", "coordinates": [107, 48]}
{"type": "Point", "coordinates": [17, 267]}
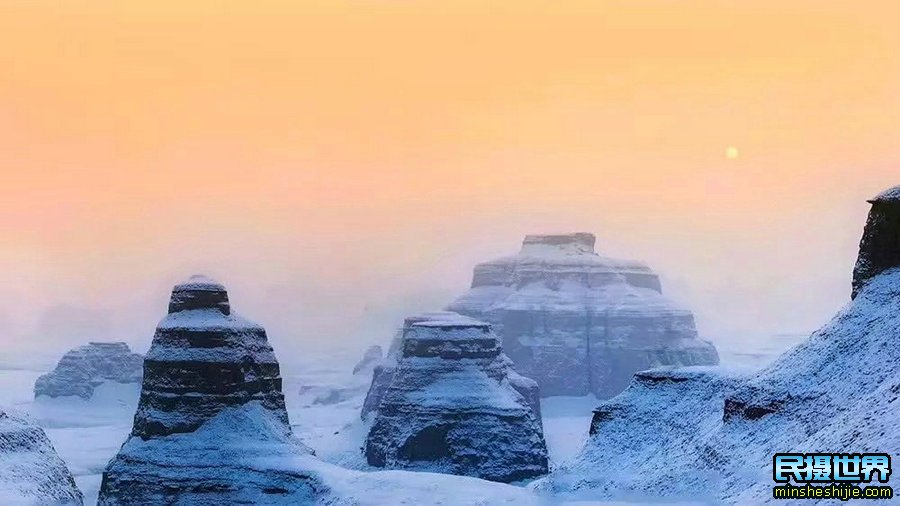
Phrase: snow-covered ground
{"type": "Point", "coordinates": [324, 399]}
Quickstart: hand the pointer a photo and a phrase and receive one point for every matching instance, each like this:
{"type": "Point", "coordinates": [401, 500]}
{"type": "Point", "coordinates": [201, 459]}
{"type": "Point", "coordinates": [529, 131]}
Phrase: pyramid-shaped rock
{"type": "Point", "coordinates": [577, 322]}
{"type": "Point", "coordinates": [451, 406]}
{"type": "Point", "coordinates": [211, 425]}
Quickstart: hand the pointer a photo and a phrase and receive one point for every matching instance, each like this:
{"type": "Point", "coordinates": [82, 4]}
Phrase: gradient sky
{"type": "Point", "coordinates": [340, 162]}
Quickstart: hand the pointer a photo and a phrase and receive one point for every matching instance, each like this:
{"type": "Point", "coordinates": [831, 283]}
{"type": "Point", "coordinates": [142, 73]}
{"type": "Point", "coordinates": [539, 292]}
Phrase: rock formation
{"type": "Point", "coordinates": [879, 248]}
{"type": "Point", "coordinates": [31, 471]}
{"type": "Point", "coordinates": [709, 433]}
{"type": "Point", "coordinates": [451, 406]}
{"type": "Point", "coordinates": [370, 359]}
{"type": "Point", "coordinates": [82, 369]}
{"type": "Point", "coordinates": [211, 425]}
{"type": "Point", "coordinates": [577, 322]}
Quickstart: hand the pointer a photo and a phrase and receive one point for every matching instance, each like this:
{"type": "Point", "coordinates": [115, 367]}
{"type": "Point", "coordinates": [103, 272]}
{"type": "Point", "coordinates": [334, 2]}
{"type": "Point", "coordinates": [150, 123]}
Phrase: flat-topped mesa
{"type": "Point", "coordinates": [580, 323]}
{"type": "Point", "coordinates": [879, 248]}
{"type": "Point", "coordinates": [576, 243]}
{"type": "Point", "coordinates": [81, 370]}
{"type": "Point", "coordinates": [203, 359]}
{"type": "Point", "coordinates": [559, 259]}
{"type": "Point", "coordinates": [453, 405]}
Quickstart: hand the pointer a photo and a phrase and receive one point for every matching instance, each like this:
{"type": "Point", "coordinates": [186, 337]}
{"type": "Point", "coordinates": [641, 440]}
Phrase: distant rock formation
{"type": "Point", "coordinates": [451, 406]}
{"type": "Point", "coordinates": [211, 426]}
{"type": "Point", "coordinates": [82, 369]}
{"type": "Point", "coordinates": [579, 323]}
{"type": "Point", "coordinates": [369, 360]}
{"type": "Point", "coordinates": [879, 248]}
{"type": "Point", "coordinates": [31, 471]}
{"type": "Point", "coordinates": [710, 433]}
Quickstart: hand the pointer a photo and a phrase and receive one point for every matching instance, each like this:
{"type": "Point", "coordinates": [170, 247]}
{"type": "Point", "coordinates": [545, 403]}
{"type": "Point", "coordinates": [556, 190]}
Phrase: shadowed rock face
{"type": "Point", "coordinates": [31, 471]}
{"type": "Point", "coordinates": [211, 402]}
{"type": "Point", "coordinates": [82, 369]}
{"type": "Point", "coordinates": [879, 248]}
{"type": "Point", "coordinates": [451, 406]}
{"type": "Point", "coordinates": [577, 322]}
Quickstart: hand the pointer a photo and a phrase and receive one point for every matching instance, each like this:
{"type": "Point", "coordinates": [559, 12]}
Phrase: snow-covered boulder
{"type": "Point", "coordinates": [711, 435]}
{"type": "Point", "coordinates": [211, 425]}
{"type": "Point", "coordinates": [31, 471]}
{"type": "Point", "coordinates": [83, 369]}
{"type": "Point", "coordinates": [450, 406]}
{"type": "Point", "coordinates": [580, 323]}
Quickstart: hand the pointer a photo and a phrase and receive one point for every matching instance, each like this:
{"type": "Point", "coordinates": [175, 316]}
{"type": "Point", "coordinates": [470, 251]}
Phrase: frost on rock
{"type": "Point", "coordinates": [31, 472]}
{"type": "Point", "coordinates": [711, 433]}
{"type": "Point", "coordinates": [83, 369]}
{"type": "Point", "coordinates": [579, 323]}
{"type": "Point", "coordinates": [451, 405]}
{"type": "Point", "coordinates": [211, 425]}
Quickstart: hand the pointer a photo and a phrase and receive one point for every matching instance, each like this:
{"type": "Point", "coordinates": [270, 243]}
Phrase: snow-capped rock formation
{"type": "Point", "coordinates": [211, 425]}
{"type": "Point", "coordinates": [710, 434]}
{"type": "Point", "coordinates": [31, 471]}
{"type": "Point", "coordinates": [579, 323]}
{"type": "Point", "coordinates": [451, 406]}
{"type": "Point", "coordinates": [879, 248]}
{"type": "Point", "coordinates": [83, 369]}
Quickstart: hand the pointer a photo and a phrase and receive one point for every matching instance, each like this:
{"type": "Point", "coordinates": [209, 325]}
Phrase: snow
{"type": "Point", "coordinates": [87, 434]}
{"type": "Point", "coordinates": [891, 194]}
{"type": "Point", "coordinates": [835, 392]}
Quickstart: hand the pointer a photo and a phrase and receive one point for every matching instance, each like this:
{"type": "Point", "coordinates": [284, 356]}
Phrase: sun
{"type": "Point", "coordinates": [731, 153]}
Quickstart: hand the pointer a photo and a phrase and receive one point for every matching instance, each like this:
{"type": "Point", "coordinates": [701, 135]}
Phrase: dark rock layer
{"type": "Point", "coordinates": [451, 406]}
{"type": "Point", "coordinates": [82, 369]}
{"type": "Point", "coordinates": [577, 322]}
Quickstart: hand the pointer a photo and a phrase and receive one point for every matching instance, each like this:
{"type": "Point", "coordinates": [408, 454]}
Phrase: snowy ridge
{"type": "Point", "coordinates": [31, 472]}
{"type": "Point", "coordinates": [837, 392]}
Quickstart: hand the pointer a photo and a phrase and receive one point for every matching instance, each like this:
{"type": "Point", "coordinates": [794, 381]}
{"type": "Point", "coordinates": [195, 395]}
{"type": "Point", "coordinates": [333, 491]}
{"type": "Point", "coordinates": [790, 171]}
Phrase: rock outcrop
{"type": "Point", "coordinates": [579, 323]}
{"type": "Point", "coordinates": [31, 471]}
{"type": "Point", "coordinates": [83, 369]}
{"type": "Point", "coordinates": [451, 406]}
{"type": "Point", "coordinates": [709, 434]}
{"type": "Point", "coordinates": [211, 425]}
{"type": "Point", "coordinates": [879, 248]}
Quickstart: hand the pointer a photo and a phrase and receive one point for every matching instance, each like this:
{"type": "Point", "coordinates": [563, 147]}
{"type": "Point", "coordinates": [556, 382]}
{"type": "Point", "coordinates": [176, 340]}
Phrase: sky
{"type": "Point", "coordinates": [341, 163]}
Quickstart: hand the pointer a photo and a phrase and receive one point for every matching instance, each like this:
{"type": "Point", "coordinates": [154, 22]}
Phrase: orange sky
{"type": "Point", "coordinates": [339, 155]}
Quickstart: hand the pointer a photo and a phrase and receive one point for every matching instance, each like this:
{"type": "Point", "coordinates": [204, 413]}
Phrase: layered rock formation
{"type": "Point", "coordinates": [451, 406]}
{"type": "Point", "coordinates": [211, 425]}
{"type": "Point", "coordinates": [31, 471]}
{"type": "Point", "coordinates": [83, 369]}
{"type": "Point", "coordinates": [577, 322]}
{"type": "Point", "coordinates": [710, 434]}
{"type": "Point", "coordinates": [383, 372]}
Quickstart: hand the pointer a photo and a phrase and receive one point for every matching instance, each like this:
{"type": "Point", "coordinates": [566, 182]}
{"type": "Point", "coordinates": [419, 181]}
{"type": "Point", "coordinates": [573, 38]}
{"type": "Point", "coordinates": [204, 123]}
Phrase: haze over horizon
{"type": "Point", "coordinates": [339, 164]}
